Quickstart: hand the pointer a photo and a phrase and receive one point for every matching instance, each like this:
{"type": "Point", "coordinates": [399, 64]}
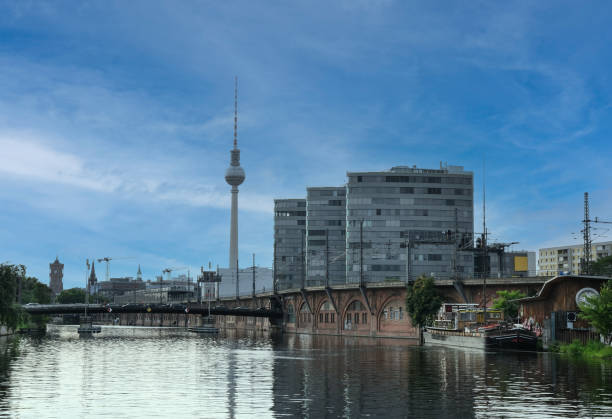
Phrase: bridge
{"type": "Point", "coordinates": [200, 309]}
{"type": "Point", "coordinates": [368, 309]}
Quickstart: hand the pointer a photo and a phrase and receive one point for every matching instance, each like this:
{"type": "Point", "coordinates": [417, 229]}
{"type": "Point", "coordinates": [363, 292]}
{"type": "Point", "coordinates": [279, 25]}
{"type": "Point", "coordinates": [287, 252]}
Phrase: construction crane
{"type": "Point", "coordinates": [107, 260]}
{"type": "Point", "coordinates": [169, 270]}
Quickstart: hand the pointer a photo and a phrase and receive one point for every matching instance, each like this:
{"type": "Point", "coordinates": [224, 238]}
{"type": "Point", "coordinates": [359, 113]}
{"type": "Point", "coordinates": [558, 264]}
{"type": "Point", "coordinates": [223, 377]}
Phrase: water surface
{"type": "Point", "coordinates": [170, 373]}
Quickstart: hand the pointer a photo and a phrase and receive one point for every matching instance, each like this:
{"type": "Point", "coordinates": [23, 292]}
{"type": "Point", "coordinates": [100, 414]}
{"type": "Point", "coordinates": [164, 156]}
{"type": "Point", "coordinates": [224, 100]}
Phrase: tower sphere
{"type": "Point", "coordinates": [234, 175]}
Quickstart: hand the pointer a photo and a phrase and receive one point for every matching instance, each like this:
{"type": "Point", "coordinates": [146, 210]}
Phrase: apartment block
{"type": "Point", "coordinates": [289, 242]}
{"type": "Point", "coordinates": [566, 260]}
{"type": "Point", "coordinates": [325, 235]}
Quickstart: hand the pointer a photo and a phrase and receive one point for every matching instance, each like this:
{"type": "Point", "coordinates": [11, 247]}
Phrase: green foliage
{"type": "Point", "coordinates": [71, 296]}
{"type": "Point", "coordinates": [422, 300]}
{"type": "Point", "coordinates": [504, 302]}
{"type": "Point", "coordinates": [9, 277]}
{"type": "Point", "coordinates": [598, 310]}
{"type": "Point", "coordinates": [33, 291]}
{"type": "Point", "coordinates": [592, 349]}
{"type": "Point", "coordinates": [602, 267]}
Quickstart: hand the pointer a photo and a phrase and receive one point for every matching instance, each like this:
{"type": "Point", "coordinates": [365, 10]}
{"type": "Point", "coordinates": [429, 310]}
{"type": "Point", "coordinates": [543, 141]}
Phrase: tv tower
{"type": "Point", "coordinates": [234, 176]}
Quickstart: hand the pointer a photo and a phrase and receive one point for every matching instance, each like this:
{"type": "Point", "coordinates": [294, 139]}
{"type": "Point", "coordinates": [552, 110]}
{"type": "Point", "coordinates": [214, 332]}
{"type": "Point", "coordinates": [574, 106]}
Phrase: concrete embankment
{"type": "Point", "coordinates": [5, 331]}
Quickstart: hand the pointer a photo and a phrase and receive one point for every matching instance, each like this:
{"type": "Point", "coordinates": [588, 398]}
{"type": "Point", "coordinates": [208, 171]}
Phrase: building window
{"type": "Point", "coordinates": [333, 318]}
{"type": "Point", "coordinates": [364, 318]}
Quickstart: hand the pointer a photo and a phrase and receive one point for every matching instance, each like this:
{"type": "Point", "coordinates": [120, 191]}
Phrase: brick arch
{"type": "Point", "coordinates": [303, 315]}
{"type": "Point", "coordinates": [325, 319]}
{"type": "Point", "coordinates": [354, 325]}
{"type": "Point", "coordinates": [395, 327]}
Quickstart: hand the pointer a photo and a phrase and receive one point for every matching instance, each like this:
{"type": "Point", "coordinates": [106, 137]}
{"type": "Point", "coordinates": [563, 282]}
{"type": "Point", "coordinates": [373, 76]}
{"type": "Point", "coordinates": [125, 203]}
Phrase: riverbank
{"type": "Point", "coordinates": [592, 350]}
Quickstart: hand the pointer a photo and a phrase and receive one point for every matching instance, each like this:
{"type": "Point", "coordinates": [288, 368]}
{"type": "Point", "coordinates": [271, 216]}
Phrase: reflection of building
{"type": "Point", "coordinates": [325, 235]}
{"type": "Point", "coordinates": [562, 260]}
{"type": "Point", "coordinates": [289, 236]}
{"type": "Point", "coordinates": [56, 274]}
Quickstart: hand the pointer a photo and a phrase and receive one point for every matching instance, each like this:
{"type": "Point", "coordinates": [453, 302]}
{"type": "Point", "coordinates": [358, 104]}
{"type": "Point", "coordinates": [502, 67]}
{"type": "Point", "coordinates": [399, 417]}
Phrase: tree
{"type": "Point", "coordinates": [504, 302]}
{"type": "Point", "coordinates": [598, 311]}
{"type": "Point", "coordinates": [602, 267]}
{"type": "Point", "coordinates": [422, 300]}
{"type": "Point", "coordinates": [71, 296]}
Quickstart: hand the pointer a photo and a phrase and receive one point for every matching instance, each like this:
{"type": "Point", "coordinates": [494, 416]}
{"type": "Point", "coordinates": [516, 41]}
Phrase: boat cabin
{"type": "Point", "coordinates": [452, 316]}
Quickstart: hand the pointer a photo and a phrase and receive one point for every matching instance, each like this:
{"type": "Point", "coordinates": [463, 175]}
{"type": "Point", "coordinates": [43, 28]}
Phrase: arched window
{"type": "Point", "coordinates": [305, 315]}
{"type": "Point", "coordinates": [356, 314]}
{"type": "Point", "coordinates": [290, 314]}
{"type": "Point", "coordinates": [327, 313]}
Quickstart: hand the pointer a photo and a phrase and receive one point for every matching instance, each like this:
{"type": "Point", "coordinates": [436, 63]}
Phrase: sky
{"type": "Point", "coordinates": [116, 119]}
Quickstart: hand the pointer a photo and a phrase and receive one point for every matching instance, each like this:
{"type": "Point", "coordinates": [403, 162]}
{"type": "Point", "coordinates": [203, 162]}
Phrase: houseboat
{"type": "Point", "coordinates": [465, 326]}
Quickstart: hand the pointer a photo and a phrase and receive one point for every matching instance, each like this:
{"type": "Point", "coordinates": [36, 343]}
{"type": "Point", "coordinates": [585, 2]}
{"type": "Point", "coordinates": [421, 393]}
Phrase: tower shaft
{"type": "Point", "coordinates": [233, 251]}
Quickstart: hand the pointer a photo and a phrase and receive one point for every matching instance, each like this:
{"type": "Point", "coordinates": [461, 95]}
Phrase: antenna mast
{"type": "Point", "coordinates": [586, 261]}
{"type": "Point", "coordinates": [235, 112]}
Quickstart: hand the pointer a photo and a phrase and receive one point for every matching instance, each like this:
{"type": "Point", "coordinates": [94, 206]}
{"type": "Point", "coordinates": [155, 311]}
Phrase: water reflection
{"type": "Point", "coordinates": [248, 375]}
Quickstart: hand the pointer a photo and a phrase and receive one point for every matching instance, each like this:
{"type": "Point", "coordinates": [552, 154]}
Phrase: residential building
{"type": "Point", "coordinates": [567, 260]}
{"type": "Point", "coordinates": [407, 221]}
{"type": "Point", "coordinates": [289, 237]}
{"type": "Point", "coordinates": [325, 235]}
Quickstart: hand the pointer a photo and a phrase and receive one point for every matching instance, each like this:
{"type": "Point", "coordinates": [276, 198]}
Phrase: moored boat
{"type": "Point", "coordinates": [464, 325]}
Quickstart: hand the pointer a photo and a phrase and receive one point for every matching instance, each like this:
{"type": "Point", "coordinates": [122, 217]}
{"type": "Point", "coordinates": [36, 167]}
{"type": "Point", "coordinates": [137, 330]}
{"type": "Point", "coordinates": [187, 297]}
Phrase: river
{"type": "Point", "coordinates": [170, 373]}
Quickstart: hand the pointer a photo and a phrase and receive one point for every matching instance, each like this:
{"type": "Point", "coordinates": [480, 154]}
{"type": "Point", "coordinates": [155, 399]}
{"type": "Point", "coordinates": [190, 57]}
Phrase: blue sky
{"type": "Point", "coordinates": [116, 118]}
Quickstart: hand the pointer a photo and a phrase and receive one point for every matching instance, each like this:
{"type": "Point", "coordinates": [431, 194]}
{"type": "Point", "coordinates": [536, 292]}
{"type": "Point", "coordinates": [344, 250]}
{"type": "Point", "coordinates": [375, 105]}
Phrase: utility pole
{"type": "Point", "coordinates": [327, 258]}
{"type": "Point", "coordinates": [303, 260]}
{"type": "Point", "coordinates": [361, 253]}
{"type": "Point", "coordinates": [253, 277]}
{"type": "Point", "coordinates": [274, 278]}
{"type": "Point", "coordinates": [237, 281]}
{"type": "Point", "coordinates": [484, 249]}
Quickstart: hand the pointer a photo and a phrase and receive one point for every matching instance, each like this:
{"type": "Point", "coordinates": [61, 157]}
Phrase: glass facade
{"type": "Point", "coordinates": [289, 239]}
{"type": "Point", "coordinates": [403, 223]}
{"type": "Point", "coordinates": [325, 232]}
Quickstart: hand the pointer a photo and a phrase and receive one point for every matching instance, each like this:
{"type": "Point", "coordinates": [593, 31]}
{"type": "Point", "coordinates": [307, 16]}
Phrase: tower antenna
{"type": "Point", "coordinates": [235, 112]}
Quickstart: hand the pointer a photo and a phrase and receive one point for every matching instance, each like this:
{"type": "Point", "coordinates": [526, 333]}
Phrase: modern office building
{"type": "Point", "coordinates": [408, 221]}
{"type": "Point", "coordinates": [566, 260]}
{"type": "Point", "coordinates": [289, 238]}
{"type": "Point", "coordinates": [325, 235]}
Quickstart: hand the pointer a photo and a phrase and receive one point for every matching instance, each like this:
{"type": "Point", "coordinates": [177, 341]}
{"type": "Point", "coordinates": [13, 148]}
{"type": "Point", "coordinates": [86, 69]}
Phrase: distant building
{"type": "Point", "coordinates": [566, 260]}
{"type": "Point", "coordinates": [119, 286]}
{"type": "Point", "coordinates": [289, 238]}
{"type": "Point", "coordinates": [325, 235]}
{"type": "Point", "coordinates": [56, 274]}
{"type": "Point", "coordinates": [263, 281]}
